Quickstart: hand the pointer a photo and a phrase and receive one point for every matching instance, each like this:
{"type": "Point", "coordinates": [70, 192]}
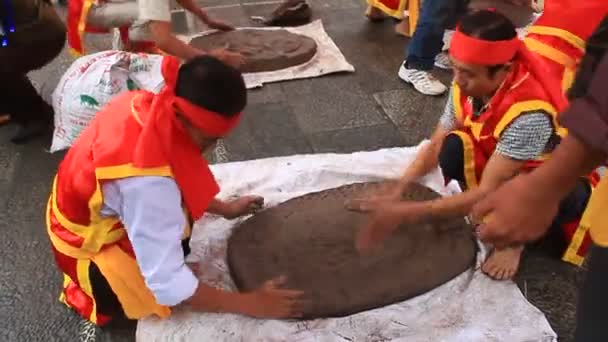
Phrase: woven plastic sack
{"type": "Point", "coordinates": [91, 82]}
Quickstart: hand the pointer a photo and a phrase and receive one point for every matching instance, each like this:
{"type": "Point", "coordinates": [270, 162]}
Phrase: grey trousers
{"type": "Point", "coordinates": [119, 14]}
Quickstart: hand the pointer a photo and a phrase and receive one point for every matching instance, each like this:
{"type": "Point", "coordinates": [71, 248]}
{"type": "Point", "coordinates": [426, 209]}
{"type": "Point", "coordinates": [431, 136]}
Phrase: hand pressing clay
{"type": "Point", "coordinates": [264, 50]}
{"type": "Point", "coordinates": [311, 240]}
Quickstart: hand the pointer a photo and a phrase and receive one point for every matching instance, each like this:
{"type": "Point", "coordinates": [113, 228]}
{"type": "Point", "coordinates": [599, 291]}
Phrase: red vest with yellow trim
{"type": "Point", "coordinates": [77, 230]}
{"type": "Point", "coordinates": [560, 33]}
{"type": "Point", "coordinates": [523, 94]}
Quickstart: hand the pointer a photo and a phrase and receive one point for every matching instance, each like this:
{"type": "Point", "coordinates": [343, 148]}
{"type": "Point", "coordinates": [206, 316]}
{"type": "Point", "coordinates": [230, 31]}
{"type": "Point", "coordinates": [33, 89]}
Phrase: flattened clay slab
{"type": "Point", "coordinates": [264, 50]}
{"type": "Point", "coordinates": [311, 240]}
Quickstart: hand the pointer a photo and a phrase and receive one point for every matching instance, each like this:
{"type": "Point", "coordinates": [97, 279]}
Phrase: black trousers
{"type": "Point", "coordinates": [29, 49]}
{"type": "Point", "coordinates": [591, 316]}
{"type": "Point", "coordinates": [451, 161]}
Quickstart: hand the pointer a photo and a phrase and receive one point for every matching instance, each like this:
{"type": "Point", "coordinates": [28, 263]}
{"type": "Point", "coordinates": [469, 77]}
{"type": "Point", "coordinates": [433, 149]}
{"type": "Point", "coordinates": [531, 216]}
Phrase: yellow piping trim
{"type": "Point", "coordinates": [571, 253]}
{"type": "Point", "coordinates": [128, 170]}
{"type": "Point", "coordinates": [571, 38]}
{"type": "Point", "coordinates": [550, 52]}
{"type": "Point", "coordinates": [135, 112]}
{"type": "Point", "coordinates": [475, 127]}
{"type": "Point", "coordinates": [457, 103]}
{"type": "Point", "coordinates": [595, 216]}
{"type": "Point", "coordinates": [74, 228]}
{"type": "Point", "coordinates": [468, 159]}
{"type": "Point", "coordinates": [74, 53]}
{"type": "Point", "coordinates": [82, 269]}
{"type": "Point", "coordinates": [525, 106]}
{"type": "Point", "coordinates": [66, 282]}
{"type": "Point", "coordinates": [82, 22]}
{"type": "Point", "coordinates": [398, 13]}
{"type": "Point", "coordinates": [98, 233]}
{"type": "Point", "coordinates": [567, 79]}
{"type": "Point", "coordinates": [67, 249]}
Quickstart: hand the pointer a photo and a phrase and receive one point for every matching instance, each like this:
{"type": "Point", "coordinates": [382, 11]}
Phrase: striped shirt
{"type": "Point", "coordinates": [526, 138]}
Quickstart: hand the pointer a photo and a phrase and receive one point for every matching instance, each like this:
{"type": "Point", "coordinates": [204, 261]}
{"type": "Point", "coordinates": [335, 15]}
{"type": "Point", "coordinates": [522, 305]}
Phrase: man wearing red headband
{"type": "Point", "coordinates": [118, 216]}
{"type": "Point", "coordinates": [500, 120]}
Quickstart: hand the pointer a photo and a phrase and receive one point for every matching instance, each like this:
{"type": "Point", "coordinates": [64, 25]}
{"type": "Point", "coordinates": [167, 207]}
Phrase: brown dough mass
{"type": "Point", "coordinates": [311, 240]}
{"type": "Point", "coordinates": [264, 50]}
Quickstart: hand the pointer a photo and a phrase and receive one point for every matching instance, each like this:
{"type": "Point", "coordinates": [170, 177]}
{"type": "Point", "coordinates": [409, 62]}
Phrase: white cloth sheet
{"type": "Point", "coordinates": [327, 60]}
{"type": "Point", "coordinates": [469, 308]}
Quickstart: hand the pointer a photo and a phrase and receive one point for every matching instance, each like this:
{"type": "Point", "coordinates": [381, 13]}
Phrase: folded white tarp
{"type": "Point", "coordinates": [469, 308]}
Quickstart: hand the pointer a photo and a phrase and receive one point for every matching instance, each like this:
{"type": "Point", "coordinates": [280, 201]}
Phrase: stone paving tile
{"type": "Point", "coordinates": [552, 286]}
{"type": "Point", "coordinates": [270, 92]}
{"type": "Point", "coordinates": [333, 105]}
{"type": "Point", "coordinates": [8, 158]}
{"type": "Point", "coordinates": [414, 114]}
{"type": "Point", "coordinates": [266, 130]}
{"type": "Point", "coordinates": [235, 16]}
{"type": "Point", "coordinates": [367, 138]}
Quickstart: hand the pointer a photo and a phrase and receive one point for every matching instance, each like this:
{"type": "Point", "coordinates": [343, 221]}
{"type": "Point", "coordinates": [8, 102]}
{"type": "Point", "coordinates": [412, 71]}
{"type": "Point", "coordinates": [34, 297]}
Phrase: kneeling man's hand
{"type": "Point", "coordinates": [385, 218]}
{"type": "Point", "coordinates": [243, 206]}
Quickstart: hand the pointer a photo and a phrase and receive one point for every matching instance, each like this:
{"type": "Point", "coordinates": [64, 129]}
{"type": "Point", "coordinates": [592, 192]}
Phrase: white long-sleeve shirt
{"type": "Point", "coordinates": [150, 209]}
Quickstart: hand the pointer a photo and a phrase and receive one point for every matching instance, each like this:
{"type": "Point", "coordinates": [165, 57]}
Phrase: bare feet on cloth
{"type": "Point", "coordinates": [502, 264]}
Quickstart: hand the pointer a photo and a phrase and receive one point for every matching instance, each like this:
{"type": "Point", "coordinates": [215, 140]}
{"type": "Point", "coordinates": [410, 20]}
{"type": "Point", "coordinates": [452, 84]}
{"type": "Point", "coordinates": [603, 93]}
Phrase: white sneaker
{"type": "Point", "coordinates": [442, 61]}
{"type": "Point", "coordinates": [422, 81]}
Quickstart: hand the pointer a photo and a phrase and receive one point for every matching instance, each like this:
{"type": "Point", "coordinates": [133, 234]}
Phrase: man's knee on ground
{"type": "Point", "coordinates": [451, 158]}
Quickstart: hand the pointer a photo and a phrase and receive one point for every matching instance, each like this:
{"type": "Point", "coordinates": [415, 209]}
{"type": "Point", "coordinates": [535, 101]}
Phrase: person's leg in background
{"type": "Point", "coordinates": [113, 15]}
{"type": "Point", "coordinates": [26, 107]}
{"type": "Point", "coordinates": [435, 17]}
{"type": "Point", "coordinates": [593, 299]}
{"type": "Point", "coordinates": [33, 48]}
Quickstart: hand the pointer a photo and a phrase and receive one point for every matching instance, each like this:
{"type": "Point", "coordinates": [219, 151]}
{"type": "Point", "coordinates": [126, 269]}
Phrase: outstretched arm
{"type": "Point", "coordinates": [150, 208]}
{"type": "Point", "coordinates": [192, 7]}
{"type": "Point", "coordinates": [166, 41]}
{"type": "Point", "coordinates": [498, 170]}
{"type": "Point", "coordinates": [427, 159]}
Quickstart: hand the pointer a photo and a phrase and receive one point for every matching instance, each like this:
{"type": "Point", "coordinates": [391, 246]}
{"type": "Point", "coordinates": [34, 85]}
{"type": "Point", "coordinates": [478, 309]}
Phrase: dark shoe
{"type": "Point", "coordinates": [289, 13]}
{"type": "Point", "coordinates": [30, 130]}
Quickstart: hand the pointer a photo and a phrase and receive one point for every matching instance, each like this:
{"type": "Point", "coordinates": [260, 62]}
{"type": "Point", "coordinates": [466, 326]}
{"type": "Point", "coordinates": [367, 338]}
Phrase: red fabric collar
{"type": "Point", "coordinates": [164, 141]}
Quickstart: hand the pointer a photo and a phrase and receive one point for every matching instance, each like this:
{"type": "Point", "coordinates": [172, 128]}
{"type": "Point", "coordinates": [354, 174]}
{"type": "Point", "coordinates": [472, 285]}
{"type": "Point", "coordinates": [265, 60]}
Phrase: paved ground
{"type": "Point", "coordinates": [365, 110]}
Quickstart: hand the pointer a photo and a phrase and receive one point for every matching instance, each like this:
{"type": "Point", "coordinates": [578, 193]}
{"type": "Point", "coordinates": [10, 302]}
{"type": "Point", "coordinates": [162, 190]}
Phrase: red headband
{"type": "Point", "coordinates": [208, 122]}
{"type": "Point", "coordinates": [483, 52]}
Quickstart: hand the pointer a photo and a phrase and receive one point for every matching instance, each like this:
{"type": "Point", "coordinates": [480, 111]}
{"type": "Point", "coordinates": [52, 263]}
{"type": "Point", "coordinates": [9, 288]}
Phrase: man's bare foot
{"type": "Point", "coordinates": [374, 14]}
{"type": "Point", "coordinates": [403, 28]}
{"type": "Point", "coordinates": [502, 264]}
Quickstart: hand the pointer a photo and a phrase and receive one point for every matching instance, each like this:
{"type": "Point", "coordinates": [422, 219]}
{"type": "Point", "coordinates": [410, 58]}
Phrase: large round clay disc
{"type": "Point", "coordinates": [264, 50]}
{"type": "Point", "coordinates": [310, 239]}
